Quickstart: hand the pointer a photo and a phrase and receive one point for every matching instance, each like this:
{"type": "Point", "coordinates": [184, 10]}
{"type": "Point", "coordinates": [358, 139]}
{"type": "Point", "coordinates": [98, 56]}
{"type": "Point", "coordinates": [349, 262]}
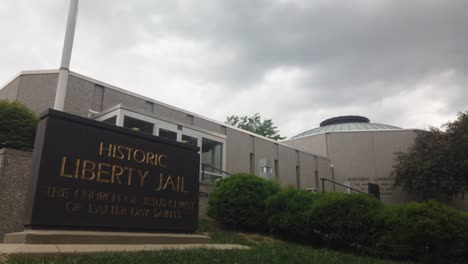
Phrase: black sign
{"type": "Point", "coordinates": [90, 175]}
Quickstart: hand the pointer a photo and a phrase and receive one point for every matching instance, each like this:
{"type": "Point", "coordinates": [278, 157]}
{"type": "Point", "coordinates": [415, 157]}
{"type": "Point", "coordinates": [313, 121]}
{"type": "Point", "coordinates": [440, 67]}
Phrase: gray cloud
{"type": "Point", "coordinates": [297, 62]}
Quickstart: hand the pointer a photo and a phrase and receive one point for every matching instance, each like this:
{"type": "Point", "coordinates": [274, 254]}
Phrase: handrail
{"type": "Point", "coordinates": [342, 185]}
{"type": "Point", "coordinates": [212, 168]}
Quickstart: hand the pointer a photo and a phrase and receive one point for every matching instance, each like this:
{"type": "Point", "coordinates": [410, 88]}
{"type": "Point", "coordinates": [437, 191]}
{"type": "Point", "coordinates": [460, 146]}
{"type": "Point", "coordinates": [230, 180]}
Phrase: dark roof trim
{"type": "Point", "coordinates": [344, 120]}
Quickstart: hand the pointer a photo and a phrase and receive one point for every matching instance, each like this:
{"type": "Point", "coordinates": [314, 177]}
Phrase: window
{"type": "Point", "coordinates": [266, 168]}
{"type": "Point", "coordinates": [276, 169]}
{"type": "Point", "coordinates": [112, 120]}
{"type": "Point", "coordinates": [252, 163]}
{"type": "Point", "coordinates": [138, 125]}
{"type": "Point", "coordinates": [167, 134]}
{"type": "Point", "coordinates": [190, 140]}
{"type": "Point", "coordinates": [212, 154]}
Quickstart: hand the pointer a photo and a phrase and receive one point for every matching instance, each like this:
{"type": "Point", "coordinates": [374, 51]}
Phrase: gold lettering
{"type": "Point", "coordinates": [117, 175]}
{"type": "Point", "coordinates": [51, 191]}
{"type": "Point", "coordinates": [142, 156]}
{"type": "Point", "coordinates": [130, 172]}
{"type": "Point", "coordinates": [77, 168]}
{"type": "Point", "coordinates": [182, 188]}
{"type": "Point", "coordinates": [169, 181]}
{"type": "Point", "coordinates": [86, 169]}
{"type": "Point", "coordinates": [102, 172]}
{"type": "Point", "coordinates": [130, 150]}
{"type": "Point", "coordinates": [160, 182]}
{"type": "Point", "coordinates": [120, 155]}
{"type": "Point", "coordinates": [149, 158]}
{"type": "Point", "coordinates": [101, 148]}
{"type": "Point", "coordinates": [160, 161]}
{"type": "Point", "coordinates": [142, 178]}
{"type": "Point", "coordinates": [62, 170]}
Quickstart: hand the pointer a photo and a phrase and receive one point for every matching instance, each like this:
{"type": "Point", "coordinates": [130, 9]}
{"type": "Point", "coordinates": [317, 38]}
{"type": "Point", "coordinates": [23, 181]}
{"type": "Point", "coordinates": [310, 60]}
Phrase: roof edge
{"type": "Point", "coordinates": [355, 131]}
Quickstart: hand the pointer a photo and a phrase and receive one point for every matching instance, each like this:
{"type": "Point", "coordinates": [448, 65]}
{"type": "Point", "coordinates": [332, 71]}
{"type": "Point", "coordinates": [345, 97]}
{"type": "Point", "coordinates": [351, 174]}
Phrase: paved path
{"type": "Point", "coordinates": [30, 249]}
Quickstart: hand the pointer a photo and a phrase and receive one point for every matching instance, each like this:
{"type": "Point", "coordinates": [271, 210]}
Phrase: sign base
{"type": "Point", "coordinates": [100, 237]}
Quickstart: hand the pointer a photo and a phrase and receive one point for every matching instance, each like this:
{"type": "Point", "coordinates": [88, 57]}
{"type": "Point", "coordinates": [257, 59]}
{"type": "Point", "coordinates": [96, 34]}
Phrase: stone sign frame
{"type": "Point", "coordinates": [91, 175]}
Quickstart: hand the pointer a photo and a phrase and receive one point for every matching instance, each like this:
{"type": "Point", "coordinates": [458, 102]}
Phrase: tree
{"type": "Point", "coordinates": [436, 166]}
{"type": "Point", "coordinates": [17, 126]}
{"type": "Point", "coordinates": [256, 125]}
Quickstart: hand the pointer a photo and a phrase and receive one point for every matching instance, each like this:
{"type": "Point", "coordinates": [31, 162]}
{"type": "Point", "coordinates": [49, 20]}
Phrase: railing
{"type": "Point", "coordinates": [211, 173]}
{"type": "Point", "coordinates": [345, 186]}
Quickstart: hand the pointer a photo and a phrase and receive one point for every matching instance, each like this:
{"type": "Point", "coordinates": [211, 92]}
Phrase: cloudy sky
{"type": "Point", "coordinates": [297, 62]}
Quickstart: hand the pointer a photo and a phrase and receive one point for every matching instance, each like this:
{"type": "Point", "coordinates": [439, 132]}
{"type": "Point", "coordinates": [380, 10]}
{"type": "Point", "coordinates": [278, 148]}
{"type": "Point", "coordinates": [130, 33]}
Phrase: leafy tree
{"type": "Point", "coordinates": [436, 166]}
{"type": "Point", "coordinates": [17, 126]}
{"type": "Point", "coordinates": [254, 124]}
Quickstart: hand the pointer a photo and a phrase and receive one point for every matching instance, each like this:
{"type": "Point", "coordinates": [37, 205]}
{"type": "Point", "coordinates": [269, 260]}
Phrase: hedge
{"type": "Point", "coordinates": [17, 126]}
{"type": "Point", "coordinates": [428, 231]}
{"type": "Point", "coordinates": [285, 211]}
{"type": "Point", "coordinates": [344, 221]}
{"type": "Point", "coordinates": [240, 201]}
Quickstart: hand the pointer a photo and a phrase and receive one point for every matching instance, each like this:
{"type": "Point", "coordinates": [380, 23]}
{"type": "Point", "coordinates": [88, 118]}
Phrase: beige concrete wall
{"type": "Point", "coordinates": [208, 125]}
{"type": "Point", "coordinates": [204, 195]}
{"type": "Point", "coordinates": [353, 158]}
{"type": "Point", "coordinates": [79, 96]}
{"type": "Point", "coordinates": [363, 157]}
{"type": "Point", "coordinates": [37, 91]}
{"type": "Point", "coordinates": [238, 149]}
{"type": "Point", "coordinates": [114, 97]}
{"type": "Point", "coordinates": [14, 174]}
{"type": "Point", "coordinates": [307, 166]}
{"type": "Point", "coordinates": [314, 144]}
{"type": "Point", "coordinates": [10, 91]}
{"type": "Point", "coordinates": [324, 171]}
{"type": "Point", "coordinates": [287, 161]}
{"type": "Point", "coordinates": [386, 144]}
{"type": "Point", "coordinates": [263, 149]}
{"type": "Point", "coordinates": [172, 114]}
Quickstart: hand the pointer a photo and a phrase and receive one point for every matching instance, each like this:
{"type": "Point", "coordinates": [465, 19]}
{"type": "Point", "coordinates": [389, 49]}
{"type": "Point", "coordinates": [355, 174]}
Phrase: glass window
{"type": "Point", "coordinates": [212, 154]}
{"type": "Point", "coordinates": [167, 134]}
{"type": "Point", "coordinates": [138, 125]}
{"type": "Point", "coordinates": [112, 120]}
{"type": "Point", "coordinates": [190, 140]}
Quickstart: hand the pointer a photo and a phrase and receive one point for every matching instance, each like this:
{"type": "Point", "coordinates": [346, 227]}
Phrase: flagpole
{"type": "Point", "coordinates": [66, 56]}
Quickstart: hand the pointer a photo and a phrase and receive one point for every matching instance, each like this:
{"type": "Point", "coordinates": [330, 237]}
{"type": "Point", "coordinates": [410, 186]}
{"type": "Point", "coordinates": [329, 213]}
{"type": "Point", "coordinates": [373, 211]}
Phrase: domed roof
{"type": "Point", "coordinates": [345, 123]}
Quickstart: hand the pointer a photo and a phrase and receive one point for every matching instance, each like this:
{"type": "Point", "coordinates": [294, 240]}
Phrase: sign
{"type": "Point", "coordinates": [91, 175]}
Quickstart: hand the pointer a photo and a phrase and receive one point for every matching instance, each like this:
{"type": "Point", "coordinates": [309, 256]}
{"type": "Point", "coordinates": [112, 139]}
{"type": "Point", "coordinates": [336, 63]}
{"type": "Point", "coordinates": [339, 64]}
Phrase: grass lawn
{"type": "Point", "coordinates": [264, 250]}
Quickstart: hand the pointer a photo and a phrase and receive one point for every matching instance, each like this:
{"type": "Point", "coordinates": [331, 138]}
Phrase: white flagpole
{"type": "Point", "coordinates": [66, 55]}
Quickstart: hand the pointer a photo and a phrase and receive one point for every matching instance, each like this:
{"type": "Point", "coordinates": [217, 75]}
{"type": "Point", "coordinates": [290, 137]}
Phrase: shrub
{"type": "Point", "coordinates": [428, 231]}
{"type": "Point", "coordinates": [17, 126]}
{"type": "Point", "coordinates": [239, 201]}
{"type": "Point", "coordinates": [344, 221]}
{"type": "Point", "coordinates": [286, 212]}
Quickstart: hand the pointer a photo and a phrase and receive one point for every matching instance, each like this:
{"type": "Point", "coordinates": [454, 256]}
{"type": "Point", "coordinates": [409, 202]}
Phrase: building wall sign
{"type": "Point", "coordinates": [90, 175]}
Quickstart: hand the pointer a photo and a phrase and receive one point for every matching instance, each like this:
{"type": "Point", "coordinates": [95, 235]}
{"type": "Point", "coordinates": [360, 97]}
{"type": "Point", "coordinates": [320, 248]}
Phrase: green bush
{"type": "Point", "coordinates": [344, 221]}
{"type": "Point", "coordinates": [17, 126]}
{"type": "Point", "coordinates": [286, 212]}
{"type": "Point", "coordinates": [427, 231]}
{"type": "Point", "coordinates": [239, 201]}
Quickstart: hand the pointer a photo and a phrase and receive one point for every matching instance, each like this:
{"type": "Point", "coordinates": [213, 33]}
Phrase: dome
{"type": "Point", "coordinates": [345, 123]}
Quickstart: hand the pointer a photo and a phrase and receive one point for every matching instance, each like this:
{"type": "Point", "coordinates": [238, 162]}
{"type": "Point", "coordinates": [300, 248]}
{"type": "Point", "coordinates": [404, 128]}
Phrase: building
{"type": "Point", "coordinates": [223, 148]}
{"type": "Point", "coordinates": [359, 152]}
{"type": "Point", "coordinates": [348, 150]}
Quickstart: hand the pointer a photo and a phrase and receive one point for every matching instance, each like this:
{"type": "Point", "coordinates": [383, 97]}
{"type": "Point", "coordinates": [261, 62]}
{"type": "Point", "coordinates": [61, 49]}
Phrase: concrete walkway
{"type": "Point", "coordinates": [29, 249]}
